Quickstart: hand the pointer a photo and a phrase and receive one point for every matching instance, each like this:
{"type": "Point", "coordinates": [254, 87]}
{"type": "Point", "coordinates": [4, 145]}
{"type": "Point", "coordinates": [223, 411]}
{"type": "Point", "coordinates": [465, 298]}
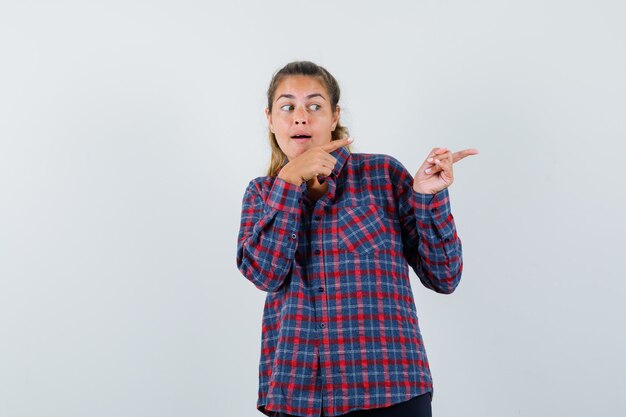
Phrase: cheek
{"type": "Point", "coordinates": [326, 121]}
{"type": "Point", "coordinates": [280, 124]}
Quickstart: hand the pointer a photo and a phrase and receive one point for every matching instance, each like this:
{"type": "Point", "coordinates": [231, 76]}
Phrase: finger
{"type": "Point", "coordinates": [457, 156]}
{"type": "Point", "coordinates": [336, 144]}
{"type": "Point", "coordinates": [447, 174]}
{"type": "Point", "coordinates": [329, 160]}
{"type": "Point", "coordinates": [438, 166]}
{"type": "Point", "coordinates": [319, 172]}
{"type": "Point", "coordinates": [439, 157]}
{"type": "Point", "coordinates": [324, 172]}
{"type": "Point", "coordinates": [446, 166]}
{"type": "Point", "coordinates": [433, 169]}
{"type": "Point", "coordinates": [327, 166]}
{"type": "Point", "coordinates": [439, 151]}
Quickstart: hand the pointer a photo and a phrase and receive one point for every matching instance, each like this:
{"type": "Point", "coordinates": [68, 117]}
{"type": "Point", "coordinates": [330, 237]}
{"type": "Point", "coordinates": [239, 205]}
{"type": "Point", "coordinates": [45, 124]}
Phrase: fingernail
{"type": "Point", "coordinates": [429, 160]}
{"type": "Point", "coordinates": [350, 139]}
{"type": "Point", "coordinates": [428, 171]}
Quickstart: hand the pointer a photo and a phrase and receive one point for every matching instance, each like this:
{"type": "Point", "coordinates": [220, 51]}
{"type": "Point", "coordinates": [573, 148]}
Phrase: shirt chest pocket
{"type": "Point", "coordinates": [361, 229]}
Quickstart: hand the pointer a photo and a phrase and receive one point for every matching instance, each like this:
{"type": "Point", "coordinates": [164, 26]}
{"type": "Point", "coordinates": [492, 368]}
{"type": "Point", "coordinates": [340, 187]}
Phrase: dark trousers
{"type": "Point", "coordinates": [415, 407]}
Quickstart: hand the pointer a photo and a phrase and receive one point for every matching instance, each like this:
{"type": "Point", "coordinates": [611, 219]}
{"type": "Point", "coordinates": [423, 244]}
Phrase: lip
{"type": "Point", "coordinates": [300, 133]}
{"type": "Point", "coordinates": [301, 140]}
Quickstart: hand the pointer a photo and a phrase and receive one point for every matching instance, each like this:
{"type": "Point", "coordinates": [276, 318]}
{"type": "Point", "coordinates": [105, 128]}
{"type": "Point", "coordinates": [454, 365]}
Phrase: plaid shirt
{"type": "Point", "coordinates": [340, 328]}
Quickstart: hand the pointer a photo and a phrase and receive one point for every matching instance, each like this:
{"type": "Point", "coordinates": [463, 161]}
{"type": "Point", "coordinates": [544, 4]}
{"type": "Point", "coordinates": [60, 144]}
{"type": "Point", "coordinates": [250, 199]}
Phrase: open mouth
{"type": "Point", "coordinates": [301, 137]}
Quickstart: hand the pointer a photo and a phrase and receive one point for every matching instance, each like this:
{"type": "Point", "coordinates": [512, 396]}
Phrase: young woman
{"type": "Point", "coordinates": [329, 235]}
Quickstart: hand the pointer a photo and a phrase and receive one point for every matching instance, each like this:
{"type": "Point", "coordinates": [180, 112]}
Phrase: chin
{"type": "Point", "coordinates": [295, 154]}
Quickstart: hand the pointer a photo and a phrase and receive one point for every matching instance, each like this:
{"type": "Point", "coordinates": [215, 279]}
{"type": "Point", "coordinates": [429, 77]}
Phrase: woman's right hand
{"type": "Point", "coordinates": [313, 162]}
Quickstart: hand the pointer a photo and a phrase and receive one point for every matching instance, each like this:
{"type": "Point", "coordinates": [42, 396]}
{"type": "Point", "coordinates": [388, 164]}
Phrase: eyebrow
{"type": "Point", "coordinates": [291, 96]}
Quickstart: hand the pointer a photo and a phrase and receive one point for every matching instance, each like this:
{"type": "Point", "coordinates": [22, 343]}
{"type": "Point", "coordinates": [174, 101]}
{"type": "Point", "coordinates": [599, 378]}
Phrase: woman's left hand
{"type": "Point", "coordinates": [436, 172]}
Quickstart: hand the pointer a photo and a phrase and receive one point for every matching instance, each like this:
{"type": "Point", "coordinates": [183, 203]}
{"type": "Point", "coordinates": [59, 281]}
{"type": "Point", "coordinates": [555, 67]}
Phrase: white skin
{"type": "Point", "coordinates": [302, 106]}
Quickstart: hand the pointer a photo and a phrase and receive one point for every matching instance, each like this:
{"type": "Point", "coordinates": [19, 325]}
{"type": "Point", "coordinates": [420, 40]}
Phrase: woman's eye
{"type": "Point", "coordinates": [315, 107]}
{"type": "Point", "coordinates": [286, 107]}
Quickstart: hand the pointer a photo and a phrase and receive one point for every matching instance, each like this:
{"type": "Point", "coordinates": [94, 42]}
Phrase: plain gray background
{"type": "Point", "coordinates": [130, 129]}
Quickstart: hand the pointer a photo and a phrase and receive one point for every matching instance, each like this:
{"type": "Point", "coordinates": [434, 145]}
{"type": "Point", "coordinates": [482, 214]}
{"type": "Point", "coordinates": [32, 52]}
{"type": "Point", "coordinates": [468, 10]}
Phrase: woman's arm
{"type": "Point", "coordinates": [430, 242]}
{"type": "Point", "coordinates": [268, 234]}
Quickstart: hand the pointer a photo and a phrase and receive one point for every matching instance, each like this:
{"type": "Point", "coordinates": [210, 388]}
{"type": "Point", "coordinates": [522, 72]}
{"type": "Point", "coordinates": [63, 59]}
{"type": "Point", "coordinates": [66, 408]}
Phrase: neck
{"type": "Point", "coordinates": [316, 189]}
{"type": "Point", "coordinates": [314, 183]}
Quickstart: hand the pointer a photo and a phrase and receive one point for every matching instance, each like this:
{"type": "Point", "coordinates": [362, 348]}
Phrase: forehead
{"type": "Point", "coordinates": [300, 85]}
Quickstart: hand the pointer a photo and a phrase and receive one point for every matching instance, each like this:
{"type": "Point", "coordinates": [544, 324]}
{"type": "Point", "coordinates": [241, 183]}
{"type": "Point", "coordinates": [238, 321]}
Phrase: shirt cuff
{"type": "Point", "coordinates": [285, 196]}
{"type": "Point", "coordinates": [432, 205]}
{"type": "Point", "coordinates": [434, 210]}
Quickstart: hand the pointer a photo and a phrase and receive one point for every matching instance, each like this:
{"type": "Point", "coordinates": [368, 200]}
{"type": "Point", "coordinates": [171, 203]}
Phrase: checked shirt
{"type": "Point", "coordinates": [340, 329]}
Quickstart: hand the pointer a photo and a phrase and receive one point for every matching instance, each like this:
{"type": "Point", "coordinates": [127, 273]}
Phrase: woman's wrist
{"type": "Point", "coordinates": [421, 190]}
{"type": "Point", "coordinates": [287, 176]}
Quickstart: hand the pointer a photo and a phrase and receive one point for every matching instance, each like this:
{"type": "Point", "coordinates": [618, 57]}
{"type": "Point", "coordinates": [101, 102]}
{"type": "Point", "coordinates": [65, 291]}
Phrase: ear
{"type": "Point", "coordinates": [268, 115]}
{"type": "Point", "coordinates": [336, 114]}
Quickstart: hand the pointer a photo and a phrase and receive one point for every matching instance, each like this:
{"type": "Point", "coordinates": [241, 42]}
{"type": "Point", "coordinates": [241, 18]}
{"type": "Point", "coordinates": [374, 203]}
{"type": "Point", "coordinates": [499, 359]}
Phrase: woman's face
{"type": "Point", "coordinates": [301, 115]}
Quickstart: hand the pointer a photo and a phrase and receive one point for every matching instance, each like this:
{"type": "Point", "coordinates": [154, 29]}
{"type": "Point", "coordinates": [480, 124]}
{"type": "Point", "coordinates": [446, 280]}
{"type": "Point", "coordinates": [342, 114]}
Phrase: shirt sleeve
{"type": "Point", "coordinates": [430, 242]}
{"type": "Point", "coordinates": [268, 233]}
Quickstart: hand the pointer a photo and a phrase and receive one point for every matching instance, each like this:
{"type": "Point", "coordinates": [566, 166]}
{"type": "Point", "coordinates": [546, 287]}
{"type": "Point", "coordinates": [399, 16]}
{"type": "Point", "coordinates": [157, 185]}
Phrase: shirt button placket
{"type": "Point", "coordinates": [317, 218]}
{"type": "Point", "coordinates": [320, 289]}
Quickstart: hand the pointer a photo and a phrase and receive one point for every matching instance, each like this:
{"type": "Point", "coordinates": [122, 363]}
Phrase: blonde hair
{"type": "Point", "coordinates": [309, 69]}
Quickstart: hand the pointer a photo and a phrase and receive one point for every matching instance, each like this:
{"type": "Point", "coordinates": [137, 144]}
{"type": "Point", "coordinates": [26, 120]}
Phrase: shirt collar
{"type": "Point", "coordinates": [341, 155]}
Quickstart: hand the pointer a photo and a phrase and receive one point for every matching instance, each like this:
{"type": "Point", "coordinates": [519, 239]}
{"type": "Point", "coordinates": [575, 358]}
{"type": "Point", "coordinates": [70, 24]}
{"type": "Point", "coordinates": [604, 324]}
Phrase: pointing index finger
{"type": "Point", "coordinates": [457, 156]}
{"type": "Point", "coordinates": [336, 144]}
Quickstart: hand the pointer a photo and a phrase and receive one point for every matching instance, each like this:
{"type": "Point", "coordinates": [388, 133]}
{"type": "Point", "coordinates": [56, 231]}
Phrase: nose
{"type": "Point", "coordinates": [300, 116]}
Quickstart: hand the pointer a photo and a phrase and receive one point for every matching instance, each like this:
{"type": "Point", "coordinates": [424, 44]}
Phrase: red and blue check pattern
{"type": "Point", "coordinates": [340, 328]}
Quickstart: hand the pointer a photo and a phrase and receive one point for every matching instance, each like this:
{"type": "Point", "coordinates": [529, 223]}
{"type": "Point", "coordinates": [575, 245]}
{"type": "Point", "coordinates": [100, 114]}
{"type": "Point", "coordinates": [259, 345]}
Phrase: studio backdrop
{"type": "Point", "coordinates": [130, 129]}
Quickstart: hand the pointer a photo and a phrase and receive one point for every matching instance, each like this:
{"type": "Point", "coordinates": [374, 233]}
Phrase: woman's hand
{"type": "Point", "coordinates": [436, 172]}
{"type": "Point", "coordinates": [313, 162]}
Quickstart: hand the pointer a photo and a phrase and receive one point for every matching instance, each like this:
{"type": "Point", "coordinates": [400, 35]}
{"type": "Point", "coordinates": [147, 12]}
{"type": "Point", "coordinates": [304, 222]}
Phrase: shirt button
{"type": "Point", "coordinates": [320, 289]}
{"type": "Point", "coordinates": [317, 251]}
{"type": "Point", "coordinates": [434, 209]}
{"type": "Point", "coordinates": [293, 236]}
{"type": "Point", "coordinates": [322, 325]}
{"type": "Point", "coordinates": [317, 217]}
